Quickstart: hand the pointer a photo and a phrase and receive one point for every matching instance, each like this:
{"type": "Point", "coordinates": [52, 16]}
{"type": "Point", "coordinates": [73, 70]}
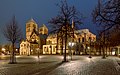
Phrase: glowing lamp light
{"type": "Point", "coordinates": [16, 49]}
{"type": "Point", "coordinates": [88, 47]}
{"type": "Point", "coordinates": [3, 49]}
{"type": "Point", "coordinates": [71, 44]}
{"type": "Point", "coordinates": [68, 57]}
{"type": "Point", "coordinates": [113, 52]}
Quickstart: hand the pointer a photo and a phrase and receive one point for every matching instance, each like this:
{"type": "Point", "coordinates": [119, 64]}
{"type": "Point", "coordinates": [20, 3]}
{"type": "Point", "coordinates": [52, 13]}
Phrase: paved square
{"type": "Point", "coordinates": [53, 65]}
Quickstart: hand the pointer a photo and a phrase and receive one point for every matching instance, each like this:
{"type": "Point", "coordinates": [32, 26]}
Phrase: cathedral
{"type": "Point", "coordinates": [39, 41]}
{"type": "Point", "coordinates": [35, 38]}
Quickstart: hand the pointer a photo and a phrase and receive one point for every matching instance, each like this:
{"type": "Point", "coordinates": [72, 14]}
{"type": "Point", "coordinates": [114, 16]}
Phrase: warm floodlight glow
{"type": "Point", "coordinates": [88, 47]}
{"type": "Point", "coordinates": [3, 49]}
{"type": "Point", "coordinates": [16, 49]}
{"type": "Point", "coordinates": [113, 52]}
{"type": "Point", "coordinates": [71, 44]}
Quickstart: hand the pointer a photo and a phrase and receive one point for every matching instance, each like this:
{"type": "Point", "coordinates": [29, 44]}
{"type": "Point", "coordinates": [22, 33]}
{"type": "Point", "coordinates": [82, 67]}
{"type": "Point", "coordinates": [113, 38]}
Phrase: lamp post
{"type": "Point", "coordinates": [38, 52]}
{"type": "Point", "coordinates": [89, 52]}
{"type": "Point", "coordinates": [90, 48]}
{"type": "Point", "coordinates": [71, 44]}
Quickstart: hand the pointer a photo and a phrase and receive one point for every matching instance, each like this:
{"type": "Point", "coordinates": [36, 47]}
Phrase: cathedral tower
{"type": "Point", "coordinates": [30, 26]}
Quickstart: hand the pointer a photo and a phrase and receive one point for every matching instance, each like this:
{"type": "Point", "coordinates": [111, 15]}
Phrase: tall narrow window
{"type": "Point", "coordinates": [83, 39]}
{"type": "Point", "coordinates": [79, 40]}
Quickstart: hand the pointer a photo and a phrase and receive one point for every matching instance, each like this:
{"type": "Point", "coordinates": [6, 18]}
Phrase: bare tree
{"type": "Point", "coordinates": [107, 13]}
{"type": "Point", "coordinates": [62, 22]}
{"type": "Point", "coordinates": [107, 16]}
{"type": "Point", "coordinates": [13, 33]}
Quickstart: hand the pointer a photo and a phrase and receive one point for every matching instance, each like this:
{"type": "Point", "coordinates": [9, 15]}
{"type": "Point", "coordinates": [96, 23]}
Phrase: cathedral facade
{"type": "Point", "coordinates": [38, 41]}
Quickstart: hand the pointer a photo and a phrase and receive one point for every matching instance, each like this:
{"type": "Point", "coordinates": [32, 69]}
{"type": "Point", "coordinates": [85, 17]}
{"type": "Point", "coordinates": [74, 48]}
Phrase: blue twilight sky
{"type": "Point", "coordinates": [41, 11]}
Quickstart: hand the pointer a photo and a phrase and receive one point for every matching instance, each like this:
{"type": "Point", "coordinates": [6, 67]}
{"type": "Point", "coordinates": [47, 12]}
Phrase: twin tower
{"type": "Point", "coordinates": [35, 38]}
{"type": "Point", "coordinates": [31, 26]}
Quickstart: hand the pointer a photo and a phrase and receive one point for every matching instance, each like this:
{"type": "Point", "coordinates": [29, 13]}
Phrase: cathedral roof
{"type": "Point", "coordinates": [31, 20]}
{"type": "Point", "coordinates": [43, 26]}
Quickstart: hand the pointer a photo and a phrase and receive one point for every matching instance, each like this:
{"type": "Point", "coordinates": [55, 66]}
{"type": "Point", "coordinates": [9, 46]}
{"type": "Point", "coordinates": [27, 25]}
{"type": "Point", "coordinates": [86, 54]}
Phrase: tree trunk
{"type": "Point", "coordinates": [62, 46]}
{"type": "Point", "coordinates": [57, 44]}
{"type": "Point", "coordinates": [65, 43]}
{"type": "Point", "coordinates": [103, 52]}
{"type": "Point", "coordinates": [106, 51]}
{"type": "Point", "coordinates": [85, 44]}
{"type": "Point", "coordinates": [12, 61]}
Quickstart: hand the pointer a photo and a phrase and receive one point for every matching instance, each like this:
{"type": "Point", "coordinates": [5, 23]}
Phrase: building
{"type": "Point", "coordinates": [24, 48]}
{"type": "Point", "coordinates": [85, 39]}
{"type": "Point", "coordinates": [82, 41]}
{"type": "Point", "coordinates": [51, 43]}
{"type": "Point", "coordinates": [35, 38]}
{"type": "Point", "coordinates": [38, 41]}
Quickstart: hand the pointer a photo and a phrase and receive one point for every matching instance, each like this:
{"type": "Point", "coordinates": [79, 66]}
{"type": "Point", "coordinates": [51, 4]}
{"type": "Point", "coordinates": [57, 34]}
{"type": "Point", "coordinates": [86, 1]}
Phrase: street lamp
{"type": "Point", "coordinates": [71, 44]}
{"type": "Point", "coordinates": [89, 52]}
{"type": "Point", "coordinates": [90, 39]}
{"type": "Point", "coordinates": [38, 52]}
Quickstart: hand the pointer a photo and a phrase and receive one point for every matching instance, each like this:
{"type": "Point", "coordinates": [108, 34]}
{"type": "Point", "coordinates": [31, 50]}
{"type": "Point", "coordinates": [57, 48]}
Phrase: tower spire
{"type": "Point", "coordinates": [73, 23]}
{"type": "Point", "coordinates": [31, 19]}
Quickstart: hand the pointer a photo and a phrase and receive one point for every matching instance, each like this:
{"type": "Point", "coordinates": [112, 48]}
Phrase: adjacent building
{"type": "Point", "coordinates": [82, 41]}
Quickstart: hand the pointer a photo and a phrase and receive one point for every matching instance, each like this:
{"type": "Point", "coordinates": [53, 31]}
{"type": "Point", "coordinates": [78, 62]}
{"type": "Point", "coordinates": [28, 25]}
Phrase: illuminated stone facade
{"type": "Point", "coordinates": [82, 40]}
{"type": "Point", "coordinates": [24, 48]}
{"type": "Point", "coordinates": [43, 29]}
{"type": "Point", "coordinates": [38, 41]}
{"type": "Point", "coordinates": [35, 38]}
{"type": "Point", "coordinates": [51, 43]}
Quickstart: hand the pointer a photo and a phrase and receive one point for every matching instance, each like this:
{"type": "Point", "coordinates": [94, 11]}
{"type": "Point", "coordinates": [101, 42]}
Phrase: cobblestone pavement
{"type": "Point", "coordinates": [94, 66]}
{"type": "Point", "coordinates": [52, 65]}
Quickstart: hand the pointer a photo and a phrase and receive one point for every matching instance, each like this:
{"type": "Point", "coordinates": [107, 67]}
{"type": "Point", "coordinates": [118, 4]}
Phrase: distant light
{"type": "Point", "coordinates": [113, 52]}
{"type": "Point", "coordinates": [3, 49]}
{"type": "Point", "coordinates": [16, 49]}
{"type": "Point", "coordinates": [68, 57]}
{"type": "Point", "coordinates": [59, 51]}
{"type": "Point", "coordinates": [71, 44]}
{"type": "Point", "coordinates": [88, 47]}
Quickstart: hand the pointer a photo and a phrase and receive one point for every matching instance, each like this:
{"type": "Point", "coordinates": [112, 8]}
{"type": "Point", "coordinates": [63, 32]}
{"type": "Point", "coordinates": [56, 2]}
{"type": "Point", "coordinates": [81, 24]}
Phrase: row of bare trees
{"type": "Point", "coordinates": [107, 16]}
